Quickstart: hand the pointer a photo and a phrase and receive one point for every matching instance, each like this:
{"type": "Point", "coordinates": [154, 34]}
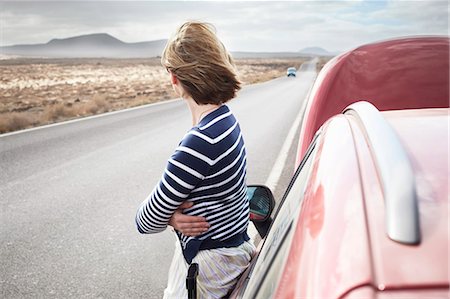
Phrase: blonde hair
{"type": "Point", "coordinates": [201, 63]}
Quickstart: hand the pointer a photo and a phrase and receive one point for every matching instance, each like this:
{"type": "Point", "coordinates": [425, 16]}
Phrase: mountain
{"type": "Point", "coordinates": [315, 51]}
{"type": "Point", "coordinates": [268, 54]}
{"type": "Point", "coordinates": [105, 45]}
{"type": "Point", "coordinates": [92, 45]}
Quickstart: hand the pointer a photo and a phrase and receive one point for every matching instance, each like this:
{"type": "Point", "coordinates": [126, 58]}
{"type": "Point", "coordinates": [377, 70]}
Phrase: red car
{"type": "Point", "coordinates": [366, 213]}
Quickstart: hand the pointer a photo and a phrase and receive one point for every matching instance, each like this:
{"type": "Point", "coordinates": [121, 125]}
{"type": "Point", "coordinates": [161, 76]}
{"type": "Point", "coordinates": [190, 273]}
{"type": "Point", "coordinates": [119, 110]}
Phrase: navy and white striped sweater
{"type": "Point", "coordinates": [209, 169]}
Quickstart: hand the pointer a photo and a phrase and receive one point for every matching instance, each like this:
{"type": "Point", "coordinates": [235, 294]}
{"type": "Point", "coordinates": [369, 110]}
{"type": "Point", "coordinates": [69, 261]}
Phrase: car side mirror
{"type": "Point", "coordinates": [262, 204]}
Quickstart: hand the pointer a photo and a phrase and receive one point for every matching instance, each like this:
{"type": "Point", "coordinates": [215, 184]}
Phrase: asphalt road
{"type": "Point", "coordinates": [69, 192]}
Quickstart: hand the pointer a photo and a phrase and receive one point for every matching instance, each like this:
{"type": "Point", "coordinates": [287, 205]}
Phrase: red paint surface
{"type": "Point", "coordinates": [340, 247]}
{"type": "Point", "coordinates": [424, 134]}
{"type": "Point", "coordinates": [330, 251]}
{"type": "Point", "coordinates": [404, 73]}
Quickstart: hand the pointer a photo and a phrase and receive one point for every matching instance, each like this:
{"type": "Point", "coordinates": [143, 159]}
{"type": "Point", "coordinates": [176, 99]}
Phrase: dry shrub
{"type": "Point", "coordinates": [78, 89]}
{"type": "Point", "coordinates": [56, 112]}
{"type": "Point", "coordinates": [322, 62]}
{"type": "Point", "coordinates": [16, 121]}
{"type": "Point", "coordinates": [149, 98]}
{"type": "Point", "coordinates": [257, 70]}
{"type": "Point", "coordinates": [97, 104]}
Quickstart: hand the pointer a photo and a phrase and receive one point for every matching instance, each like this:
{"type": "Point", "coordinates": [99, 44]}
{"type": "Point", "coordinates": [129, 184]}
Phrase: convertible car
{"type": "Point", "coordinates": [366, 212]}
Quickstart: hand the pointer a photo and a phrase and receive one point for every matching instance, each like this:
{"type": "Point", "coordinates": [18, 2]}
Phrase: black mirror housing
{"type": "Point", "coordinates": [262, 203]}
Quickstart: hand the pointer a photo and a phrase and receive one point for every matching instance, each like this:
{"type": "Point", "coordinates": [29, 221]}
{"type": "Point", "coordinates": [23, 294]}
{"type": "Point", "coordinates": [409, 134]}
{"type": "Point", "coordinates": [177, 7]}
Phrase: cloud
{"type": "Point", "coordinates": [247, 26]}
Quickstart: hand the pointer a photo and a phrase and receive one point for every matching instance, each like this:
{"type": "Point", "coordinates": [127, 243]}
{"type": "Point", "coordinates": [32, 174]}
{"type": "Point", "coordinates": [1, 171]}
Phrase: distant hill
{"type": "Point", "coordinates": [92, 45]}
{"type": "Point", "coordinates": [315, 51]}
{"type": "Point", "coordinates": [104, 45]}
{"type": "Point", "coordinates": [268, 54]}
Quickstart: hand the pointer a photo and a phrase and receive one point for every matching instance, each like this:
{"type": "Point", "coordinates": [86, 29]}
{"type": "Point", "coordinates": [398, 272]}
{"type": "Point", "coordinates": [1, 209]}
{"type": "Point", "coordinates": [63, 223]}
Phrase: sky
{"type": "Point", "coordinates": [271, 26]}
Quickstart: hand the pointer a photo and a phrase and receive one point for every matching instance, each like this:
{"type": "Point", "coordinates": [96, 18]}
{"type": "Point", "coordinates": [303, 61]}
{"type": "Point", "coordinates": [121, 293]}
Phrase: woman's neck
{"type": "Point", "coordinates": [199, 111]}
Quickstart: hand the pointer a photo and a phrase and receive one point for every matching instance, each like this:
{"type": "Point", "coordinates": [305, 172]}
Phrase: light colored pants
{"type": "Point", "coordinates": [219, 270]}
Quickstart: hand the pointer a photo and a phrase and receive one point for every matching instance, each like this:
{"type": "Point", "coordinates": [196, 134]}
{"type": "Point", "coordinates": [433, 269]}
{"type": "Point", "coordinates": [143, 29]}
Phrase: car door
{"type": "Point", "coordinates": [262, 279]}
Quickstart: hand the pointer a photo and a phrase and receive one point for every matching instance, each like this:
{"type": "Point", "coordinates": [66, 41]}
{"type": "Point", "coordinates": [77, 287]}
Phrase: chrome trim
{"type": "Point", "coordinates": [395, 172]}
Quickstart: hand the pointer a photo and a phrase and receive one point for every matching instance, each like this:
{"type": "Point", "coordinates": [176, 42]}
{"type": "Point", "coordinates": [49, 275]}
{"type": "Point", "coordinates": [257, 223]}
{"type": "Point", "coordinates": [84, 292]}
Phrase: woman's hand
{"type": "Point", "coordinates": [190, 226]}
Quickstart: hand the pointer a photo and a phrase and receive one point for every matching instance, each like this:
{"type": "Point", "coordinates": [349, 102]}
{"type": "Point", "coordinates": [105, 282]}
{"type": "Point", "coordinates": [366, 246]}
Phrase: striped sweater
{"type": "Point", "coordinates": [209, 169]}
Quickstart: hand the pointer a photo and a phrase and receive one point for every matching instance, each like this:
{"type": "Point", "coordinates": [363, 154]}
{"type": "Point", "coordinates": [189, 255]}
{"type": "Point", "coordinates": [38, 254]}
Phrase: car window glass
{"type": "Point", "coordinates": [270, 279]}
{"type": "Point", "coordinates": [276, 244]}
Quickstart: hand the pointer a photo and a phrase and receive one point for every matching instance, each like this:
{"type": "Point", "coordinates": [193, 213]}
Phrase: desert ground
{"type": "Point", "coordinates": [36, 92]}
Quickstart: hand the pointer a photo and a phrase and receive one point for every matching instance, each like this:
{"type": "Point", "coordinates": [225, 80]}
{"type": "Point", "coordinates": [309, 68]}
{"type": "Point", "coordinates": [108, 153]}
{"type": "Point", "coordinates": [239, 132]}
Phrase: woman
{"type": "Point", "coordinates": [206, 175]}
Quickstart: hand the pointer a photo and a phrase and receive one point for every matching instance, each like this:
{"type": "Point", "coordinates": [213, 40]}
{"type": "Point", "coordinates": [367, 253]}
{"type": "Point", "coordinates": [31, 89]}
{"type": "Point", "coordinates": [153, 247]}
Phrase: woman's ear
{"type": "Point", "coordinates": [176, 85]}
{"type": "Point", "coordinates": [173, 79]}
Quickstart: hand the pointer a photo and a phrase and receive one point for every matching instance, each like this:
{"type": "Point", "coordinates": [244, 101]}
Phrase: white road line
{"type": "Point", "coordinates": [277, 169]}
{"type": "Point", "coordinates": [278, 166]}
{"type": "Point", "coordinates": [87, 118]}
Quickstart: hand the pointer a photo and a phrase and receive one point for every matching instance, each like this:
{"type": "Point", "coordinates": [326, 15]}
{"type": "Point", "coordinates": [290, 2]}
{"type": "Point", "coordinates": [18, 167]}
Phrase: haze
{"type": "Point", "coordinates": [243, 26]}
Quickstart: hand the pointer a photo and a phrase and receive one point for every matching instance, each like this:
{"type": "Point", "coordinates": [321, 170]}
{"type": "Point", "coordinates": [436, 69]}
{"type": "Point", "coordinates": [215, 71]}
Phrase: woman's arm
{"type": "Point", "coordinates": [184, 171]}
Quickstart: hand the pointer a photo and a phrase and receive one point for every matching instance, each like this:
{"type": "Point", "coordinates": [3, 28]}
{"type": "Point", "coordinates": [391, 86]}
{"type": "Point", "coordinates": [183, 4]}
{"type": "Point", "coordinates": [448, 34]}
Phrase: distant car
{"type": "Point", "coordinates": [291, 71]}
{"type": "Point", "coordinates": [366, 212]}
